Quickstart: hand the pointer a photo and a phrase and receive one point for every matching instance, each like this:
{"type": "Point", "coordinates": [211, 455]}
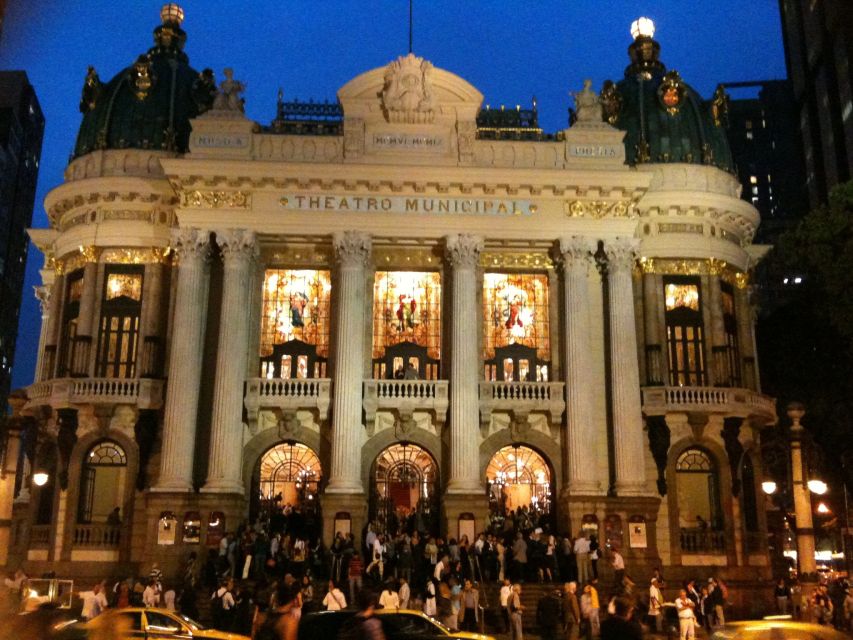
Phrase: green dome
{"type": "Point", "coordinates": [149, 104]}
{"type": "Point", "coordinates": [664, 119]}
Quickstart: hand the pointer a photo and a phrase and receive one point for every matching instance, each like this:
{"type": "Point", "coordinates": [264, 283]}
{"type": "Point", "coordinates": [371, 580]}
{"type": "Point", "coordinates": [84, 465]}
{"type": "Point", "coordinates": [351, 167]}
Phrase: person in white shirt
{"type": "Point", "coordinates": [618, 563]}
{"type": "Point", "coordinates": [655, 604]}
{"type": "Point", "coordinates": [429, 599]}
{"type": "Point", "coordinates": [334, 600]}
{"type": "Point", "coordinates": [583, 560]}
{"type": "Point", "coordinates": [389, 599]}
{"type": "Point", "coordinates": [686, 617]}
{"type": "Point", "coordinates": [405, 593]}
{"type": "Point", "coordinates": [94, 602]}
{"type": "Point", "coordinates": [440, 567]}
{"type": "Point", "coordinates": [506, 592]}
{"type": "Point", "coordinates": [151, 595]}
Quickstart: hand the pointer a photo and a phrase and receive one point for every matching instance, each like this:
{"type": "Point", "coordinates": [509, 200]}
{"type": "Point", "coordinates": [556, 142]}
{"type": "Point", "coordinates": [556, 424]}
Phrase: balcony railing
{"type": "Point", "coordinates": [67, 392]}
{"type": "Point", "coordinates": [406, 397]}
{"type": "Point", "coordinates": [102, 536]}
{"type": "Point", "coordinates": [287, 395]}
{"type": "Point", "coordinates": [40, 536]}
{"type": "Point", "coordinates": [524, 397]}
{"type": "Point", "coordinates": [731, 402]}
{"type": "Point", "coordinates": [703, 541]}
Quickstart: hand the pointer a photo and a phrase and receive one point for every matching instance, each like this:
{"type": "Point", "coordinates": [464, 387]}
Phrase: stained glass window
{"type": "Point", "coordinates": [681, 295]}
{"type": "Point", "coordinates": [407, 307]}
{"type": "Point", "coordinates": [127, 285]}
{"type": "Point", "coordinates": [296, 306]}
{"type": "Point", "coordinates": [515, 310]}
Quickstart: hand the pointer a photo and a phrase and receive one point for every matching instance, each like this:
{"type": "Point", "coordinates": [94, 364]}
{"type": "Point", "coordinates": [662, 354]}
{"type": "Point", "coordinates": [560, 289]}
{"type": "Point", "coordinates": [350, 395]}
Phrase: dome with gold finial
{"type": "Point", "coordinates": [664, 118]}
{"type": "Point", "coordinates": [149, 104]}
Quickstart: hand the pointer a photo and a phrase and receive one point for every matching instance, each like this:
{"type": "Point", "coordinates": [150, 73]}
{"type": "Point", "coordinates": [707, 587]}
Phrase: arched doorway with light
{"type": "Point", "coordinates": [520, 483]}
{"type": "Point", "coordinates": [404, 490]}
{"type": "Point", "coordinates": [287, 482]}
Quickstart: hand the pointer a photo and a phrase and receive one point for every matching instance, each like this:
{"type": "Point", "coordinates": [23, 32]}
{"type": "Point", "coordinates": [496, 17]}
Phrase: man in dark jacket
{"type": "Point", "coordinates": [620, 626]}
{"type": "Point", "coordinates": [549, 616]}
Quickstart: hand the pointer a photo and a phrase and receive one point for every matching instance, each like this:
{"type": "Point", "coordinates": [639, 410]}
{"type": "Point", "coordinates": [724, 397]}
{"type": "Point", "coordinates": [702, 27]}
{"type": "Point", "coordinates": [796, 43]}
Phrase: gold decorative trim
{"type": "Point", "coordinates": [216, 199]}
{"type": "Point", "coordinates": [405, 257]}
{"type": "Point", "coordinates": [136, 256]}
{"type": "Point", "coordinates": [598, 209]}
{"type": "Point", "coordinates": [709, 267]}
{"type": "Point", "coordinates": [510, 260]}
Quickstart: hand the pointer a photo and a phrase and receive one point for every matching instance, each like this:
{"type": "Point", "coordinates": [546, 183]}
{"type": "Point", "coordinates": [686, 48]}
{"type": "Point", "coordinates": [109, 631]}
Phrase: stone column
{"type": "Point", "coordinates": [720, 374]}
{"type": "Point", "coordinates": [54, 319]}
{"type": "Point", "coordinates": [152, 314]}
{"type": "Point", "coordinates": [463, 254]}
{"type": "Point", "coordinates": [802, 497]}
{"type": "Point", "coordinates": [224, 469]}
{"type": "Point", "coordinates": [86, 322]}
{"type": "Point", "coordinates": [192, 247]}
{"type": "Point", "coordinates": [625, 375]}
{"type": "Point", "coordinates": [577, 255]}
{"type": "Point", "coordinates": [746, 338]}
{"type": "Point", "coordinates": [655, 341]}
{"type": "Point", "coordinates": [42, 293]}
{"type": "Point", "coordinates": [352, 252]}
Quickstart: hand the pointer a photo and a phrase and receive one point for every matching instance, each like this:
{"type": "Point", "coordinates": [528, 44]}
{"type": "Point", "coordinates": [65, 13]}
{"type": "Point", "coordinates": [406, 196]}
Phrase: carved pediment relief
{"type": "Point", "coordinates": [408, 95]}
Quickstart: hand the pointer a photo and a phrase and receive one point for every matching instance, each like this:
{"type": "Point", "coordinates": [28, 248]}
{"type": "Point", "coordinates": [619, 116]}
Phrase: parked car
{"type": "Point", "coordinates": [398, 624]}
{"type": "Point", "coordinates": [776, 629]}
{"type": "Point", "coordinates": [145, 624]}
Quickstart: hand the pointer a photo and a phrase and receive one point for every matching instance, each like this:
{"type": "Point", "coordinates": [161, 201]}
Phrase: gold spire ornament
{"type": "Point", "coordinates": [720, 106]}
{"type": "Point", "coordinates": [142, 77]}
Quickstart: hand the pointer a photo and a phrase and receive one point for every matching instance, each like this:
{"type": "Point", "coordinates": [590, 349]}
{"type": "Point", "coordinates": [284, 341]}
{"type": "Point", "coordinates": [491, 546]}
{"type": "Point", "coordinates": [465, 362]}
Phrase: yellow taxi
{"type": "Point", "coordinates": [397, 624]}
{"type": "Point", "coordinates": [146, 624]}
{"type": "Point", "coordinates": [776, 628]}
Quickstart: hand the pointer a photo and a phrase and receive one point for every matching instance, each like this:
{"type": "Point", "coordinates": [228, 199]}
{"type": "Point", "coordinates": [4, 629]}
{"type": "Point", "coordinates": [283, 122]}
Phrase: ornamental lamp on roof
{"type": "Point", "coordinates": [643, 27]}
{"type": "Point", "coordinates": [173, 13]}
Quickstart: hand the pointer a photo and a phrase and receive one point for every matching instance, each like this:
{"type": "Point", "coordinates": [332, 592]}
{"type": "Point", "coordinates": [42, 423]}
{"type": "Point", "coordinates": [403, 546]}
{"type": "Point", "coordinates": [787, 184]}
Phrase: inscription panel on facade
{"type": "Point", "coordinates": [593, 151]}
{"type": "Point", "coordinates": [408, 205]}
{"type": "Point", "coordinates": [221, 141]}
{"type": "Point", "coordinates": [396, 140]}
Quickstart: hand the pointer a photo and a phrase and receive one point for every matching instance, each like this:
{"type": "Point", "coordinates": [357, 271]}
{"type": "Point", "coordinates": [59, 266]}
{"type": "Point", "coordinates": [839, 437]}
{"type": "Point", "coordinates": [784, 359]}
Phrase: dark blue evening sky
{"type": "Point", "coordinates": [509, 50]}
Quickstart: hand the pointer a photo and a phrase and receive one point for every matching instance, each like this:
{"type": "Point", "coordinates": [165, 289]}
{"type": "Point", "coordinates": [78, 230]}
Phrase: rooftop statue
{"type": "Point", "coordinates": [407, 95]}
{"type": "Point", "coordinates": [587, 104]}
{"type": "Point", "coordinates": [228, 98]}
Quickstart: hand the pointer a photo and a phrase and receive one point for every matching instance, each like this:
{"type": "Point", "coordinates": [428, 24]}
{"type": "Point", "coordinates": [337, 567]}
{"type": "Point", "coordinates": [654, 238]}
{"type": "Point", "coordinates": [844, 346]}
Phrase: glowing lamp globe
{"type": "Point", "coordinates": [822, 508]}
{"type": "Point", "coordinates": [642, 28]}
{"type": "Point", "coordinates": [768, 487]}
{"type": "Point", "coordinates": [40, 478]}
{"type": "Point", "coordinates": [171, 13]}
{"type": "Point", "coordinates": [817, 486]}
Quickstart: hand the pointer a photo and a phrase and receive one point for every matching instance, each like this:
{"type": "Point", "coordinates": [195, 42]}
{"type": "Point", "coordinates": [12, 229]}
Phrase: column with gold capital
{"type": "Point", "coordinates": [192, 248]}
{"type": "Point", "coordinates": [629, 447]}
{"type": "Point", "coordinates": [352, 252]}
{"type": "Point", "coordinates": [224, 469]}
{"type": "Point", "coordinates": [577, 256]}
{"type": "Point", "coordinates": [463, 254]}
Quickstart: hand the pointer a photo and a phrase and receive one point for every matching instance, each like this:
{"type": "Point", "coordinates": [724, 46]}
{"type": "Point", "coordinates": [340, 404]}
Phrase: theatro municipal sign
{"type": "Point", "coordinates": [408, 204]}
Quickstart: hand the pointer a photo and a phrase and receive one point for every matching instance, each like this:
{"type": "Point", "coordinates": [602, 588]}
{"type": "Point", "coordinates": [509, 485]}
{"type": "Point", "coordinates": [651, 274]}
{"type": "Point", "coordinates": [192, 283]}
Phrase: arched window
{"type": "Point", "coordinates": [290, 474]}
{"type": "Point", "coordinates": [119, 329]}
{"type": "Point", "coordinates": [404, 488]}
{"type": "Point", "coordinates": [102, 485]}
{"type": "Point", "coordinates": [685, 335]}
{"type": "Point", "coordinates": [698, 491]}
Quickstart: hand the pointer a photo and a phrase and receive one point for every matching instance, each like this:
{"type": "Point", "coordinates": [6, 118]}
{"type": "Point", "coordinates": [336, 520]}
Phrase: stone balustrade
{"type": "Point", "coordinates": [64, 393]}
{"type": "Point", "coordinates": [728, 401]}
{"type": "Point", "coordinates": [40, 536]}
{"type": "Point", "coordinates": [287, 395]}
{"type": "Point", "coordinates": [702, 541]}
{"type": "Point", "coordinates": [406, 397]}
{"type": "Point", "coordinates": [522, 397]}
{"type": "Point", "coordinates": [101, 536]}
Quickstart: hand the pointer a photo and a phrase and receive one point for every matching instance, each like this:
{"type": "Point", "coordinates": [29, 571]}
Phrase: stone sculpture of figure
{"type": "Point", "coordinates": [587, 104]}
{"type": "Point", "coordinates": [228, 98]}
{"type": "Point", "coordinates": [91, 91]}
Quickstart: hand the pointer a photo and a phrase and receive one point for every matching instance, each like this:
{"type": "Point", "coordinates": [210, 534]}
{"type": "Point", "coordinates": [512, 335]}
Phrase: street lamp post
{"type": "Point", "coordinates": [802, 496]}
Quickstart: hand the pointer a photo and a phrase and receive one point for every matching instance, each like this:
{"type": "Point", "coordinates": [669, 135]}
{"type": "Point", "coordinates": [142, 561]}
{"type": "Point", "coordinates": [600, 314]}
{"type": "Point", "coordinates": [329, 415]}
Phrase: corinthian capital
{"type": "Point", "coordinates": [352, 248]}
{"type": "Point", "coordinates": [237, 244]}
{"type": "Point", "coordinates": [463, 250]}
{"type": "Point", "coordinates": [621, 254]}
{"type": "Point", "coordinates": [42, 293]}
{"type": "Point", "coordinates": [191, 244]}
{"type": "Point", "coordinates": [577, 251]}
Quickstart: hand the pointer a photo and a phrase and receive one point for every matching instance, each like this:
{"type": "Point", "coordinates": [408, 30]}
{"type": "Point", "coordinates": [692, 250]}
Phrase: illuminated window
{"type": "Point", "coordinates": [404, 480]}
{"type": "Point", "coordinates": [119, 329]}
{"type": "Point", "coordinates": [518, 476]}
{"type": "Point", "coordinates": [292, 471]}
{"type": "Point", "coordinates": [296, 306]}
{"type": "Point", "coordinates": [515, 309]}
{"type": "Point", "coordinates": [407, 307]}
{"type": "Point", "coordinates": [685, 333]}
{"type": "Point", "coordinates": [70, 314]}
{"type": "Point", "coordinates": [103, 483]}
{"type": "Point", "coordinates": [698, 491]}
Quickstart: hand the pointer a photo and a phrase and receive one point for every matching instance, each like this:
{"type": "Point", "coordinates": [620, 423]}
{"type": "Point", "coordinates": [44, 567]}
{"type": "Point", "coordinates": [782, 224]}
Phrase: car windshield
{"type": "Point", "coordinates": [195, 626]}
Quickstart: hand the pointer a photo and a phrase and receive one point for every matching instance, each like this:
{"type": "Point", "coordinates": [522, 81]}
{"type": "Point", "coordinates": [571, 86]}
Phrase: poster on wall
{"type": "Point", "coordinates": [637, 533]}
{"type": "Point", "coordinates": [167, 528]}
{"type": "Point", "coordinates": [343, 523]}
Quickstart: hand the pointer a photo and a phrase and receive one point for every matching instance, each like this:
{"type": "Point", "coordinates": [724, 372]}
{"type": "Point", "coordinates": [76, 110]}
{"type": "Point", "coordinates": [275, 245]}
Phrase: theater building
{"type": "Point", "coordinates": [398, 304]}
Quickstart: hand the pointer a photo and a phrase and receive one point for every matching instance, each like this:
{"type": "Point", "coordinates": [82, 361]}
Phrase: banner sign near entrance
{"type": "Point", "coordinates": [637, 533]}
{"type": "Point", "coordinates": [408, 204]}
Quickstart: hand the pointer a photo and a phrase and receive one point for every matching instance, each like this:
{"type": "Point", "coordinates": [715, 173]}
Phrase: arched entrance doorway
{"type": "Point", "coordinates": [286, 489]}
{"type": "Point", "coordinates": [102, 485]}
{"type": "Point", "coordinates": [404, 490]}
{"type": "Point", "coordinates": [520, 484]}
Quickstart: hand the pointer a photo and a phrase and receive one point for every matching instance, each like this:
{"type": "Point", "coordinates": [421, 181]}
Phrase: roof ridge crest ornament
{"type": "Point", "coordinates": [407, 96]}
